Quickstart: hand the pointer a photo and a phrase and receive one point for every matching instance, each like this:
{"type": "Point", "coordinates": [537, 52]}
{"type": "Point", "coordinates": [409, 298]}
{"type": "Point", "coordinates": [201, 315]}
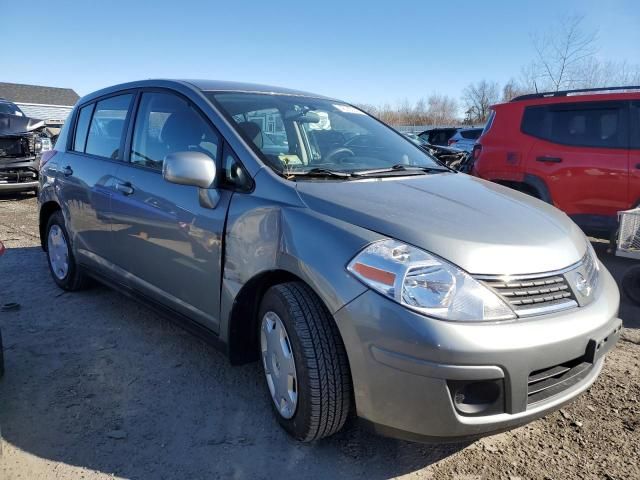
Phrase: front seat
{"type": "Point", "coordinates": [183, 131]}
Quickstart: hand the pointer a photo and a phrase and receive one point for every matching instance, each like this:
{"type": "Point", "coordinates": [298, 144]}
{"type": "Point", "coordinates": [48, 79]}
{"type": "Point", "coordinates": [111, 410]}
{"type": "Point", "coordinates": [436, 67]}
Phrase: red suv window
{"type": "Point", "coordinates": [590, 124]}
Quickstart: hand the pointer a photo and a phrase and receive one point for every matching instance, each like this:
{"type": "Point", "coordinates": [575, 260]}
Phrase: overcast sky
{"type": "Point", "coordinates": [357, 51]}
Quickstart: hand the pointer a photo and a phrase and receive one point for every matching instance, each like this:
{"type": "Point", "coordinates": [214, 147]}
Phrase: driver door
{"type": "Point", "coordinates": [168, 242]}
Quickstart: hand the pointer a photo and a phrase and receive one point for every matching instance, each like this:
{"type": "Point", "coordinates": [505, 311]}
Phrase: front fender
{"type": "Point", "coordinates": [264, 236]}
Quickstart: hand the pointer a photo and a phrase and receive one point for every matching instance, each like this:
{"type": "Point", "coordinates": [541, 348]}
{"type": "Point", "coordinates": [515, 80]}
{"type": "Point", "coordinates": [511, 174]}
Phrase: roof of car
{"type": "Point", "coordinates": [203, 85]}
{"type": "Point", "coordinates": [224, 85]}
{"type": "Point", "coordinates": [577, 97]}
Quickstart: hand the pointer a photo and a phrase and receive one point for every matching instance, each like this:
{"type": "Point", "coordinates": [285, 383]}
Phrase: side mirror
{"type": "Point", "coordinates": [189, 168]}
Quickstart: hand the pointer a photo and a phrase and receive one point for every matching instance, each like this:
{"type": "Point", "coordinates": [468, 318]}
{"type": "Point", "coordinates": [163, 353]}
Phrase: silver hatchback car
{"type": "Point", "coordinates": [367, 277]}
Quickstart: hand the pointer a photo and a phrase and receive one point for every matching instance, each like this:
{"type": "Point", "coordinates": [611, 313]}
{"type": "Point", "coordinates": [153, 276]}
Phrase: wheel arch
{"type": "Point", "coordinates": [243, 319]}
{"type": "Point", "coordinates": [46, 210]}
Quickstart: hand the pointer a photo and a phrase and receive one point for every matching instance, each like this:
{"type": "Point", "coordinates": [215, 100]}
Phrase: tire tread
{"type": "Point", "coordinates": [325, 357]}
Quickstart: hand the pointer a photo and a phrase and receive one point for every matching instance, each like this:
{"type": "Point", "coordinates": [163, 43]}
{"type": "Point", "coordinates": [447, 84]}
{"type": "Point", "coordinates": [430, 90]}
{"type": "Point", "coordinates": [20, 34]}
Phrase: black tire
{"type": "Point", "coordinates": [631, 284]}
{"type": "Point", "coordinates": [74, 279]}
{"type": "Point", "coordinates": [322, 367]}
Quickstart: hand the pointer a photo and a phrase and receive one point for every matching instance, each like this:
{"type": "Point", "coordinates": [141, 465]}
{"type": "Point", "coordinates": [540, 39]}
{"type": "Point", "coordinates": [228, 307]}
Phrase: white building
{"type": "Point", "coordinates": [44, 103]}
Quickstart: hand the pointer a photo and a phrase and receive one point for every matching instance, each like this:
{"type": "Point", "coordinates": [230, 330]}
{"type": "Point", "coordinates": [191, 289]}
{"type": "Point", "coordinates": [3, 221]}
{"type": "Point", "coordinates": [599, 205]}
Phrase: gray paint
{"type": "Point", "coordinates": [160, 239]}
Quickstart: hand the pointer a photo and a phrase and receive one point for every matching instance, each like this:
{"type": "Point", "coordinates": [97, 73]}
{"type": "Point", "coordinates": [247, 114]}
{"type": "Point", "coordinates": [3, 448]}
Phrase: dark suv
{"type": "Point", "coordinates": [438, 136]}
{"type": "Point", "coordinates": [578, 150]}
{"type": "Point", "coordinates": [22, 140]}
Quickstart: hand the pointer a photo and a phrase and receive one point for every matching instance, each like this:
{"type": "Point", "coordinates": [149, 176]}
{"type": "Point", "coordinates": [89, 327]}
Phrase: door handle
{"type": "Point", "coordinates": [549, 159]}
{"type": "Point", "coordinates": [67, 171]}
{"type": "Point", "coordinates": [124, 188]}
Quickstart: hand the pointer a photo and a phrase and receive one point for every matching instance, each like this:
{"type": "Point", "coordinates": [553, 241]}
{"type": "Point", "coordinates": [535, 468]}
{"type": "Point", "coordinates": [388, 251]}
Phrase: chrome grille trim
{"type": "Point", "coordinates": [533, 275]}
{"type": "Point", "coordinates": [541, 293]}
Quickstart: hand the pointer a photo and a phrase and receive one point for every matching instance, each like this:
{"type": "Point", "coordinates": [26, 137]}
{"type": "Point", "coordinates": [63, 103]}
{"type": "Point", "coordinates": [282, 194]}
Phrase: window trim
{"type": "Point", "coordinates": [623, 107]}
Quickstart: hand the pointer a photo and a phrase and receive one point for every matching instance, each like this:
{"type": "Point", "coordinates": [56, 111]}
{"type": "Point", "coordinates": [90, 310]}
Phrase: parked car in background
{"type": "Point", "coordinates": [415, 139]}
{"type": "Point", "coordinates": [578, 150]}
{"type": "Point", "coordinates": [438, 136]}
{"type": "Point", "coordinates": [465, 138]}
{"type": "Point", "coordinates": [22, 140]}
{"type": "Point", "coordinates": [365, 276]}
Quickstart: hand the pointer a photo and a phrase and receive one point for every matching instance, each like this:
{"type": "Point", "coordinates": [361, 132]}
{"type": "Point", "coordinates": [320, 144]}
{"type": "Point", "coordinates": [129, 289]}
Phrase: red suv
{"type": "Point", "coordinates": [578, 150]}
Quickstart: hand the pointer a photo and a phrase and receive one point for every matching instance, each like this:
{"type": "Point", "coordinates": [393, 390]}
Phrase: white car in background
{"type": "Point", "coordinates": [465, 138]}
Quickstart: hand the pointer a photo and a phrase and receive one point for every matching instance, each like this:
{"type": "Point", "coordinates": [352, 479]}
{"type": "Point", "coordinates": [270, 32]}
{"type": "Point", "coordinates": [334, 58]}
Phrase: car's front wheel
{"type": "Point", "coordinates": [304, 361]}
{"type": "Point", "coordinates": [62, 263]}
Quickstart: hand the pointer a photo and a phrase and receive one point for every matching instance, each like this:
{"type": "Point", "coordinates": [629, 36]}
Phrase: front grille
{"type": "Point", "coordinates": [533, 296]}
{"type": "Point", "coordinates": [13, 147]}
{"type": "Point", "coordinates": [551, 381]}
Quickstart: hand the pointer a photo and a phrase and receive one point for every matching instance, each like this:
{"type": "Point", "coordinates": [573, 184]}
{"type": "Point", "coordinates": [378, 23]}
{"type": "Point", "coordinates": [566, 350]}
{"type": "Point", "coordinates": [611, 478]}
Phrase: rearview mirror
{"type": "Point", "coordinates": [189, 168]}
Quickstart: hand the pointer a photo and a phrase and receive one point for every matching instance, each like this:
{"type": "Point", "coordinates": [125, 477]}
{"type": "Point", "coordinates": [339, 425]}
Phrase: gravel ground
{"type": "Point", "coordinates": [97, 386]}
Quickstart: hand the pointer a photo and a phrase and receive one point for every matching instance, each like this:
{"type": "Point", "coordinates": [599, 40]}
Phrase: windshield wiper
{"type": "Point", "coordinates": [400, 167]}
{"type": "Point", "coordinates": [317, 172]}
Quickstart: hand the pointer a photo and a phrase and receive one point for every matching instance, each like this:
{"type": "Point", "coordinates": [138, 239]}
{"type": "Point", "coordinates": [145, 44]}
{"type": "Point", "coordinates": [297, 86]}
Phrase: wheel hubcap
{"type": "Point", "coordinates": [279, 364]}
{"type": "Point", "coordinates": [58, 252]}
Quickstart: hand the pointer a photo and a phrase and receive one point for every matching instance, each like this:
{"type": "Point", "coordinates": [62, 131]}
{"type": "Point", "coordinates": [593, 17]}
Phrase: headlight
{"type": "Point", "coordinates": [425, 283]}
{"type": "Point", "coordinates": [591, 268]}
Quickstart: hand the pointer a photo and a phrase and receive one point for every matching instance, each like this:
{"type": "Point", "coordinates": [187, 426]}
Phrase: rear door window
{"type": "Point", "coordinates": [107, 126]}
{"type": "Point", "coordinates": [590, 124]}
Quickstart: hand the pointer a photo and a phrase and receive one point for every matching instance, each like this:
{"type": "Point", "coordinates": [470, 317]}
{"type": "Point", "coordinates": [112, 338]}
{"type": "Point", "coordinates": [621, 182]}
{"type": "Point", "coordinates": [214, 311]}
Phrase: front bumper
{"type": "Point", "coordinates": [405, 366]}
{"type": "Point", "coordinates": [18, 174]}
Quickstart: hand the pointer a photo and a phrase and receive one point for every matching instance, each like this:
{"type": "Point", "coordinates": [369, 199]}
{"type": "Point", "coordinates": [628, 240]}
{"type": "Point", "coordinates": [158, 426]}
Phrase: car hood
{"type": "Point", "coordinates": [483, 227]}
{"type": "Point", "coordinates": [16, 124]}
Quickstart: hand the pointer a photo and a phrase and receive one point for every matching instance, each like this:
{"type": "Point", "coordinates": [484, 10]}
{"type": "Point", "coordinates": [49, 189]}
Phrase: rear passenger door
{"type": "Point", "coordinates": [169, 244]}
{"type": "Point", "coordinates": [580, 153]}
{"type": "Point", "coordinates": [85, 177]}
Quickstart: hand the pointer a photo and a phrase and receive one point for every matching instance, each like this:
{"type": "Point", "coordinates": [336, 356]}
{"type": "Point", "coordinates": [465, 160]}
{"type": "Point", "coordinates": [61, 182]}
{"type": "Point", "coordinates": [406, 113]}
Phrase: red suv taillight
{"type": "Point", "coordinates": [46, 156]}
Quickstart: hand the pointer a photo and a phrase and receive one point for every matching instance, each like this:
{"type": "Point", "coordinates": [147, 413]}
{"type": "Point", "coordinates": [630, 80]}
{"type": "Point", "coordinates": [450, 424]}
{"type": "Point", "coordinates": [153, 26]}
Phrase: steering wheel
{"type": "Point", "coordinates": [329, 158]}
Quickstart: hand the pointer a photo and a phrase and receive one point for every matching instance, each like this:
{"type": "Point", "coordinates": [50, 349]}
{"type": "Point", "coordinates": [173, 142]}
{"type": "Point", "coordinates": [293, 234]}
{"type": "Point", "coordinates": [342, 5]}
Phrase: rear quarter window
{"type": "Point", "coordinates": [588, 124]}
{"type": "Point", "coordinates": [82, 127]}
{"type": "Point", "coordinates": [471, 134]}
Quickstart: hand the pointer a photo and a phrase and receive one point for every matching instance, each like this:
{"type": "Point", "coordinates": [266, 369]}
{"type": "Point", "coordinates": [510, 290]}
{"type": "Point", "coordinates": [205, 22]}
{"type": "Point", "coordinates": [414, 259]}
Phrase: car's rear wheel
{"type": "Point", "coordinates": [62, 263]}
{"type": "Point", "coordinates": [304, 361]}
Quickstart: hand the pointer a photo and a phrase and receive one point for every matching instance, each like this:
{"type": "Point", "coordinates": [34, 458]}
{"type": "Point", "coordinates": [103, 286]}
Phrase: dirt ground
{"type": "Point", "coordinates": [97, 386]}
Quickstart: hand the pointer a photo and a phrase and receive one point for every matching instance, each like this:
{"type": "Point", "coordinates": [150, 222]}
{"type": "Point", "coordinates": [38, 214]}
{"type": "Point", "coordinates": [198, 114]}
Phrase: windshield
{"type": "Point", "coordinates": [295, 134]}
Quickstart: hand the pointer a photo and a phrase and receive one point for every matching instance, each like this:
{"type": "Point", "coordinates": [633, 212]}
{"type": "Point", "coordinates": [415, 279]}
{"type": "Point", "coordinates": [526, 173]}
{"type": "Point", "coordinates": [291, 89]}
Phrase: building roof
{"type": "Point", "coordinates": [19, 93]}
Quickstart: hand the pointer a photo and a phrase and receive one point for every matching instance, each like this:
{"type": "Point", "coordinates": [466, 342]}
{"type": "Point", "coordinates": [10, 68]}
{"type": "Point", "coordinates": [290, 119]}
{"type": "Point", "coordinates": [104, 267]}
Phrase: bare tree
{"type": "Point", "coordinates": [477, 98]}
{"type": "Point", "coordinates": [513, 89]}
{"type": "Point", "coordinates": [442, 110]}
{"type": "Point", "coordinates": [435, 110]}
{"type": "Point", "coordinates": [561, 54]}
{"type": "Point", "coordinates": [595, 73]}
